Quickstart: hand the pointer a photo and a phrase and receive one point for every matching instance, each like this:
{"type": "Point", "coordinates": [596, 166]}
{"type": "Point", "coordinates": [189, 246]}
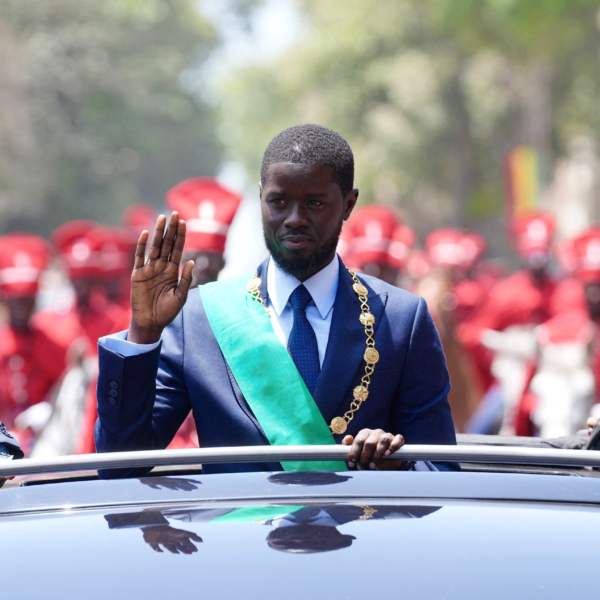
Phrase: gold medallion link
{"type": "Point", "coordinates": [371, 356]}
{"type": "Point", "coordinates": [361, 393]}
{"type": "Point", "coordinates": [360, 289]}
{"type": "Point", "coordinates": [253, 284]}
{"type": "Point", "coordinates": [366, 319]}
{"type": "Point", "coordinates": [339, 425]}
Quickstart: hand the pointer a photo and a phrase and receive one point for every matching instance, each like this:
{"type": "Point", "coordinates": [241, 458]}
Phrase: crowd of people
{"type": "Point", "coordinates": [522, 349]}
{"type": "Point", "coordinates": [49, 338]}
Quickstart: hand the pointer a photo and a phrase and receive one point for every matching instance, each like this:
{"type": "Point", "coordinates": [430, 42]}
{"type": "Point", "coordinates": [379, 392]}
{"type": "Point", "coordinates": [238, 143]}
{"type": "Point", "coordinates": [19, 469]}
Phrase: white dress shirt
{"type": "Point", "coordinates": [322, 287]}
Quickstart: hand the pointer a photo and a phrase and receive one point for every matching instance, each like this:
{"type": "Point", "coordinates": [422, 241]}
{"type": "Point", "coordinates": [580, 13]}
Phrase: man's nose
{"type": "Point", "coordinates": [296, 216]}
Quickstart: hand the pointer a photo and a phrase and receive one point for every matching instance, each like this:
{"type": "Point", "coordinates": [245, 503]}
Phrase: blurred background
{"type": "Point", "coordinates": [476, 115]}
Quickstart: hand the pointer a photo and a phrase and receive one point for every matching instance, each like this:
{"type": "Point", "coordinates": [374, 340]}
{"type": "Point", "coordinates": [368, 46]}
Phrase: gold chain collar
{"type": "Point", "coordinates": [339, 425]}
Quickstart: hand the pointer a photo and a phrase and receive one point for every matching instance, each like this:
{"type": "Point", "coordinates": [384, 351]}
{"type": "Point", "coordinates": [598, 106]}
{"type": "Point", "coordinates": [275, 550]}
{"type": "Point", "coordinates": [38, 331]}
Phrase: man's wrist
{"type": "Point", "coordinates": [143, 335]}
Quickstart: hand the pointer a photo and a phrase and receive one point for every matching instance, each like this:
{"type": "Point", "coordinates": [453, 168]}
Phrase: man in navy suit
{"type": "Point", "coordinates": [351, 341]}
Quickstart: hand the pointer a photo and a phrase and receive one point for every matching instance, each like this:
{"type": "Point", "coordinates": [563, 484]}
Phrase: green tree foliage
{"type": "Point", "coordinates": [92, 113]}
{"type": "Point", "coordinates": [430, 94]}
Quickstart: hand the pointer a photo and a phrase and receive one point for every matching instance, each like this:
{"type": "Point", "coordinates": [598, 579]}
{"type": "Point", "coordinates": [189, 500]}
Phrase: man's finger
{"type": "Point", "coordinates": [140, 250]}
{"type": "Point", "coordinates": [167, 243]}
{"type": "Point", "coordinates": [397, 442]}
{"type": "Point", "coordinates": [357, 446]}
{"type": "Point", "coordinates": [385, 439]}
{"type": "Point", "coordinates": [177, 251]}
{"type": "Point", "coordinates": [185, 282]}
{"type": "Point", "coordinates": [369, 447]}
{"type": "Point", "coordinates": [347, 441]}
{"type": "Point", "coordinates": [161, 223]}
{"type": "Point", "coordinates": [156, 547]}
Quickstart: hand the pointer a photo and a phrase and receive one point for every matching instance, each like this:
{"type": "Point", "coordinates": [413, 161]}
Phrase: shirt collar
{"type": "Point", "coordinates": [322, 286]}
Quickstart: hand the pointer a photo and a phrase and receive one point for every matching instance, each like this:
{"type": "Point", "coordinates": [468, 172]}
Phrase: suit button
{"type": "Point", "coordinates": [113, 393]}
{"type": "Point", "coordinates": [114, 385]}
{"type": "Point", "coordinates": [112, 400]}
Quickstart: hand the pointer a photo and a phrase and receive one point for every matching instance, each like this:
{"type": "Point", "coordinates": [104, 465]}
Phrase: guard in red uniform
{"type": "Point", "coordinates": [376, 242]}
{"type": "Point", "coordinates": [529, 297]}
{"type": "Point", "coordinates": [208, 209]}
{"type": "Point", "coordinates": [96, 259]}
{"type": "Point", "coordinates": [521, 302]}
{"type": "Point", "coordinates": [32, 346]}
{"type": "Point", "coordinates": [584, 258]}
{"type": "Point", "coordinates": [452, 293]}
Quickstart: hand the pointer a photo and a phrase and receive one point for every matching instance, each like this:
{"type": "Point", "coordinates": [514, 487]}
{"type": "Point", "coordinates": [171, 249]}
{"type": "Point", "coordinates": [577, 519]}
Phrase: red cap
{"type": "Point", "coordinates": [138, 217]}
{"type": "Point", "coordinates": [90, 250]}
{"type": "Point", "coordinates": [23, 259]}
{"type": "Point", "coordinates": [533, 234]}
{"type": "Point", "coordinates": [448, 247]}
{"type": "Point", "coordinates": [586, 256]}
{"type": "Point", "coordinates": [208, 210]}
{"type": "Point", "coordinates": [372, 228]}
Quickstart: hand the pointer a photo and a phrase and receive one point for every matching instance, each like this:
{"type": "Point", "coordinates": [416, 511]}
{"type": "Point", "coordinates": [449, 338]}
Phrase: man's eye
{"type": "Point", "coordinates": [278, 201]}
{"type": "Point", "coordinates": [314, 203]}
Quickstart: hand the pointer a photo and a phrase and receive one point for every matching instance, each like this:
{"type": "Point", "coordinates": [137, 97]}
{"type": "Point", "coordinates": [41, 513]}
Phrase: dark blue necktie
{"type": "Point", "coordinates": [302, 343]}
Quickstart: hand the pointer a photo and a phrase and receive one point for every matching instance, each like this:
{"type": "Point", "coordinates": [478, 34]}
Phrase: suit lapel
{"type": "Point", "coordinates": [262, 273]}
{"type": "Point", "coordinates": [346, 345]}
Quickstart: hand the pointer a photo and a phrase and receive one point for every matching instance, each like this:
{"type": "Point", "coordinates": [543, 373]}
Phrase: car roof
{"type": "Point", "coordinates": [291, 486]}
{"type": "Point", "coordinates": [298, 535]}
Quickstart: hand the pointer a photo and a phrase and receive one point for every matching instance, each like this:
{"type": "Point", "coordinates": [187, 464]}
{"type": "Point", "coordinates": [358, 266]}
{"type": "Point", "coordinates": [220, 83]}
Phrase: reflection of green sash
{"type": "Point", "coordinates": [255, 514]}
{"type": "Point", "coordinates": [265, 372]}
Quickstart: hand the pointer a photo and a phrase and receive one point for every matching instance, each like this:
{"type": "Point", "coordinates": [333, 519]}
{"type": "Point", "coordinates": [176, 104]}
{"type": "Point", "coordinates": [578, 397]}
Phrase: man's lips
{"type": "Point", "coordinates": [295, 242]}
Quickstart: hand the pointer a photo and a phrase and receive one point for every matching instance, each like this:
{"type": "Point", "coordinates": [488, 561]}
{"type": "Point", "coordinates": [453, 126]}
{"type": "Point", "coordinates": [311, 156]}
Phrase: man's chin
{"type": "Point", "coordinates": [294, 263]}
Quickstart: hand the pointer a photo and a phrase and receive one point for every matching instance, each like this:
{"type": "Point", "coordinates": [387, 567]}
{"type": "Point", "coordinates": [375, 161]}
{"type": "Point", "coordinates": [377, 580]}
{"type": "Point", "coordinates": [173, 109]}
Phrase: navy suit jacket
{"type": "Point", "coordinates": [143, 399]}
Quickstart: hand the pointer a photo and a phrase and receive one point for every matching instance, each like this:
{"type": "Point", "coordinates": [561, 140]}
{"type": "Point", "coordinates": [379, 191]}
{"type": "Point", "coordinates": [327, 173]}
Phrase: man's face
{"type": "Point", "coordinates": [592, 295]}
{"type": "Point", "coordinates": [302, 213]}
{"type": "Point", "coordinates": [20, 310]}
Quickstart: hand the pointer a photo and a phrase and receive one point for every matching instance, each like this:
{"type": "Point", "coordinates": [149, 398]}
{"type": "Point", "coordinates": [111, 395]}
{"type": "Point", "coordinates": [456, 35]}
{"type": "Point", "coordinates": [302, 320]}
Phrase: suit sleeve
{"type": "Point", "coordinates": [422, 412]}
{"type": "Point", "coordinates": [142, 399]}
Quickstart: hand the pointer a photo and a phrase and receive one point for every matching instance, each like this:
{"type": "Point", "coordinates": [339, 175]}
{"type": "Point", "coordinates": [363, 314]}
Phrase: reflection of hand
{"type": "Point", "coordinates": [176, 541]}
{"type": "Point", "coordinates": [370, 446]}
{"type": "Point", "coordinates": [171, 483]}
{"type": "Point", "coordinates": [591, 423]}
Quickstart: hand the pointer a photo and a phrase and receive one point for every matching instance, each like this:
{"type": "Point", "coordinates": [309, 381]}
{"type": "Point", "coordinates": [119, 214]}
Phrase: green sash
{"type": "Point", "coordinates": [255, 514]}
{"type": "Point", "coordinates": [265, 372]}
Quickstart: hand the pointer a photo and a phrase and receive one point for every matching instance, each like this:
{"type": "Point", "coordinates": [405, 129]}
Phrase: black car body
{"type": "Point", "coordinates": [304, 535]}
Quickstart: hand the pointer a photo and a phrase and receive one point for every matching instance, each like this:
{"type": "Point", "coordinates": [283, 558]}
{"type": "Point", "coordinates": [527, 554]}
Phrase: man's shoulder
{"type": "Point", "coordinates": [397, 297]}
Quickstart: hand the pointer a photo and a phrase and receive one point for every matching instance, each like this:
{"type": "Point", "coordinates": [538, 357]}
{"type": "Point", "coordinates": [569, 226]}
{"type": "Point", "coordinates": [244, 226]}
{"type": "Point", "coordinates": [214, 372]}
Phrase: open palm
{"type": "Point", "coordinates": [157, 291]}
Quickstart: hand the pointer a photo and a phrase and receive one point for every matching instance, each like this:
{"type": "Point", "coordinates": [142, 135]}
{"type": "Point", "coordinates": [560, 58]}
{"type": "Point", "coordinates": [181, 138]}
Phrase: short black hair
{"type": "Point", "coordinates": [312, 145]}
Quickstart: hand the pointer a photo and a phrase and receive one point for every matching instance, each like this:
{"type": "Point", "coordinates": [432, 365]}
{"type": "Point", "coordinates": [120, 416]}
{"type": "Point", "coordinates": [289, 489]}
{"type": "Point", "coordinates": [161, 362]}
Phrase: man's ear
{"type": "Point", "coordinates": [350, 202]}
{"type": "Point", "coordinates": [260, 188]}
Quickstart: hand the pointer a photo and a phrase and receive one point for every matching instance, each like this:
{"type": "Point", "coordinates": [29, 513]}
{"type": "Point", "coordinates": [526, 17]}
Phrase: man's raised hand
{"type": "Point", "coordinates": [157, 291]}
